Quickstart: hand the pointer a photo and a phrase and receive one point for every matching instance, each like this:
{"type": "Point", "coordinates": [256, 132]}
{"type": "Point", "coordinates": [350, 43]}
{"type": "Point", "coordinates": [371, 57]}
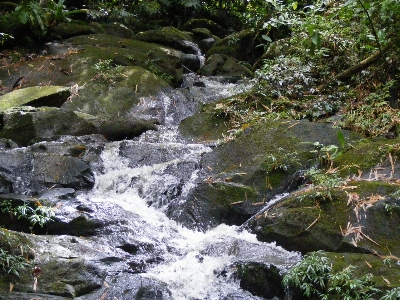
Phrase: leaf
{"type": "Point", "coordinates": [316, 39]}
{"type": "Point", "coordinates": [341, 139]}
{"type": "Point", "coordinates": [267, 38]}
{"type": "Point", "coordinates": [294, 5]}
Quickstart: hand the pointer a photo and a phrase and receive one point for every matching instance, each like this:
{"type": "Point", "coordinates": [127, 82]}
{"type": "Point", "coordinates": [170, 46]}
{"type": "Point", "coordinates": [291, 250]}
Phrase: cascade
{"type": "Point", "coordinates": [141, 176]}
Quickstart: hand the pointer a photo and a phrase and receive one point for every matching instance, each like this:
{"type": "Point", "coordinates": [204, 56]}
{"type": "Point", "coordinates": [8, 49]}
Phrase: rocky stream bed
{"type": "Point", "coordinates": [154, 199]}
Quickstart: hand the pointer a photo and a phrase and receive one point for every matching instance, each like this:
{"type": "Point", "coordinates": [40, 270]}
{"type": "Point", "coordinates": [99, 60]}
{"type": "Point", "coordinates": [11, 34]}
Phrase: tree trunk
{"type": "Point", "coordinates": [362, 65]}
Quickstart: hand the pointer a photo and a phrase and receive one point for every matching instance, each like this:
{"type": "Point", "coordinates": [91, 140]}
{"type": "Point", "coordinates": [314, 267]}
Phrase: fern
{"type": "Point", "coordinates": [121, 14]}
{"type": "Point", "coordinates": [191, 3]}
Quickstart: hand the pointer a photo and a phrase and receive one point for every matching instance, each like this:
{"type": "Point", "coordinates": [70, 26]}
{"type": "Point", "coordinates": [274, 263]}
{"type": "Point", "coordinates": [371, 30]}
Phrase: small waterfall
{"type": "Point", "coordinates": [195, 265]}
{"type": "Point", "coordinates": [141, 177]}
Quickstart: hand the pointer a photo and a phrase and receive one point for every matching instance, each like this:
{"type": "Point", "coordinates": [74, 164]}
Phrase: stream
{"type": "Point", "coordinates": [142, 177]}
{"type": "Point", "coordinates": [131, 236]}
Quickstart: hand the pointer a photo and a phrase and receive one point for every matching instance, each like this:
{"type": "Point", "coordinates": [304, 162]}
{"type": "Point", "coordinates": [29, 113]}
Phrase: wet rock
{"type": "Point", "coordinates": [5, 185]}
{"type": "Point", "coordinates": [206, 44]}
{"type": "Point", "coordinates": [191, 63]}
{"type": "Point", "coordinates": [261, 280]}
{"type": "Point", "coordinates": [27, 125]}
{"type": "Point", "coordinates": [28, 296]}
{"type": "Point", "coordinates": [79, 226]}
{"type": "Point", "coordinates": [123, 128]}
{"type": "Point", "coordinates": [131, 286]}
{"type": "Point", "coordinates": [339, 224]}
{"type": "Point", "coordinates": [215, 203]}
{"type": "Point", "coordinates": [68, 172]}
{"type": "Point", "coordinates": [7, 143]}
{"type": "Point", "coordinates": [35, 172]}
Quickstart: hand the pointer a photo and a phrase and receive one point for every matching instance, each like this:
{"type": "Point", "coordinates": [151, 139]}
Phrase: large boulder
{"type": "Point", "coordinates": [358, 214]}
{"type": "Point", "coordinates": [47, 165]}
{"type": "Point", "coordinates": [242, 46]}
{"type": "Point", "coordinates": [27, 125]}
{"type": "Point", "coordinates": [171, 37]}
{"type": "Point", "coordinates": [243, 174]}
{"type": "Point", "coordinates": [213, 27]}
{"type": "Point", "coordinates": [110, 74]}
{"type": "Point", "coordinates": [218, 64]}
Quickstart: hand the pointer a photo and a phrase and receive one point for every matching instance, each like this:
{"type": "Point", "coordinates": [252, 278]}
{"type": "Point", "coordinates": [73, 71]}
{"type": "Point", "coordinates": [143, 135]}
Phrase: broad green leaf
{"type": "Point", "coordinates": [267, 38]}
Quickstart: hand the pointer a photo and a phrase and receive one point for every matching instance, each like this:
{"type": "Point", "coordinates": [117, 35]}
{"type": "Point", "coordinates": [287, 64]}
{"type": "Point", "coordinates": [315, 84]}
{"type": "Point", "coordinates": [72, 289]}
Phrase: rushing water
{"type": "Point", "coordinates": [136, 177]}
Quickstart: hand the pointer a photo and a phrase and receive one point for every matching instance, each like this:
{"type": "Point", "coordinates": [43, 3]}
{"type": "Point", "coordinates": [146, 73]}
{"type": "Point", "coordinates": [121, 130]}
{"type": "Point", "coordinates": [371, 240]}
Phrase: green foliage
{"type": "Point", "coordinates": [326, 154]}
{"type": "Point", "coordinates": [4, 37]}
{"type": "Point", "coordinates": [392, 294]}
{"type": "Point", "coordinates": [282, 160]}
{"type": "Point", "coordinates": [30, 12]}
{"type": "Point", "coordinates": [107, 71]}
{"type": "Point", "coordinates": [323, 183]}
{"type": "Point", "coordinates": [34, 213]}
{"type": "Point", "coordinates": [12, 264]}
{"type": "Point", "coordinates": [291, 81]}
{"type": "Point", "coordinates": [377, 19]}
{"type": "Point", "coordinates": [310, 275]}
{"type": "Point", "coordinates": [347, 287]}
{"type": "Point", "coordinates": [42, 19]}
{"type": "Point", "coordinates": [372, 116]}
{"type": "Point", "coordinates": [38, 215]}
{"type": "Point", "coordinates": [314, 277]}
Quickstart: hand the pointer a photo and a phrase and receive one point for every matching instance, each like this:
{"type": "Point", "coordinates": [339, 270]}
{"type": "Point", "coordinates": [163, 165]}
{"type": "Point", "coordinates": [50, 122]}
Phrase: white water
{"type": "Point", "coordinates": [199, 266]}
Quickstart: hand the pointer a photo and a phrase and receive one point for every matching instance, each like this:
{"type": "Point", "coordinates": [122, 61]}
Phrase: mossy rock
{"type": "Point", "coordinates": [242, 46]}
{"type": "Point", "coordinates": [203, 127]}
{"type": "Point", "coordinates": [218, 64]}
{"type": "Point", "coordinates": [385, 271]}
{"type": "Point", "coordinates": [308, 221]}
{"type": "Point", "coordinates": [35, 96]}
{"type": "Point", "coordinates": [70, 29]}
{"type": "Point", "coordinates": [367, 154]}
{"type": "Point", "coordinates": [171, 37]}
{"type": "Point", "coordinates": [205, 23]}
{"type": "Point", "coordinates": [269, 152]}
{"type": "Point", "coordinates": [202, 33]}
{"type": "Point", "coordinates": [145, 70]}
{"type": "Point", "coordinates": [27, 125]}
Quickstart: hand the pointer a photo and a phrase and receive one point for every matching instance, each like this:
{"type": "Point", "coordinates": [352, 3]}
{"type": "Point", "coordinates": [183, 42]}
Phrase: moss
{"type": "Point", "coordinates": [205, 23]}
{"type": "Point", "coordinates": [203, 127]}
{"type": "Point", "coordinates": [231, 193]}
{"type": "Point", "coordinates": [19, 128]}
{"type": "Point", "coordinates": [307, 220]}
{"type": "Point", "coordinates": [380, 268]}
{"type": "Point", "coordinates": [366, 154]}
{"type": "Point", "coordinates": [225, 50]}
{"type": "Point", "coordinates": [35, 96]}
